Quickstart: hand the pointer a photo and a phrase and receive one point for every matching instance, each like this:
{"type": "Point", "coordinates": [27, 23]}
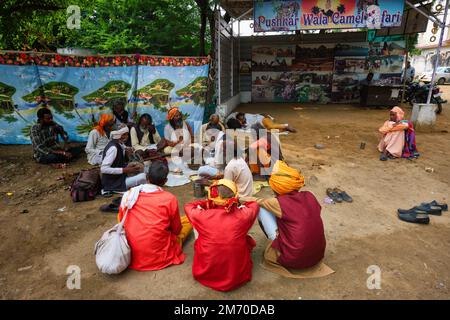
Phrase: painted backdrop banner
{"type": "Point", "coordinates": [320, 74]}
{"type": "Point", "coordinates": [79, 89]}
{"type": "Point", "coordinates": [326, 14]}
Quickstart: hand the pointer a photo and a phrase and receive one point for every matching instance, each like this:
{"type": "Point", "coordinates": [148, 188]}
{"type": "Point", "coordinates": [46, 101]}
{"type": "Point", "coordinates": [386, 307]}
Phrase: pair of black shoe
{"type": "Point", "coordinates": [420, 214]}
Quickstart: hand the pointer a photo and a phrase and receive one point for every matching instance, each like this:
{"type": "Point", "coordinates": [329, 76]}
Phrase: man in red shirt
{"type": "Point", "coordinates": [222, 252]}
{"type": "Point", "coordinates": [154, 229]}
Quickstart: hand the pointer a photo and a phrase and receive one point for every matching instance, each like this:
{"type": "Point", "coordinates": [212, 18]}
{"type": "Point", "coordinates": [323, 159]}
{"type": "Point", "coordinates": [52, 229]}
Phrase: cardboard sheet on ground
{"type": "Point", "coordinates": [269, 262]}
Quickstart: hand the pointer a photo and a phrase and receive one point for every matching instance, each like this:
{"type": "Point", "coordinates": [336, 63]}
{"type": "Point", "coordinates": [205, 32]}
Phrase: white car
{"type": "Point", "coordinates": [442, 75]}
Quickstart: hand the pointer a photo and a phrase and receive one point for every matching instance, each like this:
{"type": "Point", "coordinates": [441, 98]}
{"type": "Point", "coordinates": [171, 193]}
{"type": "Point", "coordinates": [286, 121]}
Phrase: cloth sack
{"type": "Point", "coordinates": [112, 252]}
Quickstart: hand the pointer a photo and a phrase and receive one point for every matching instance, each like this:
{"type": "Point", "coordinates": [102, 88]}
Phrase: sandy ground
{"type": "Point", "coordinates": [414, 259]}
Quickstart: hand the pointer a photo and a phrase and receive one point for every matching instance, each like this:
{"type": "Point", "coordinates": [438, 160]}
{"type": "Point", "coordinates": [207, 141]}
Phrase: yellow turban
{"type": "Point", "coordinates": [214, 195]}
{"type": "Point", "coordinates": [285, 179]}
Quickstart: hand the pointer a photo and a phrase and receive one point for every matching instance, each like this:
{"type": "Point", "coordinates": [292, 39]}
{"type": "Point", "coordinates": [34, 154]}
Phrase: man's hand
{"type": "Point", "coordinates": [129, 151]}
{"type": "Point", "coordinates": [131, 168]}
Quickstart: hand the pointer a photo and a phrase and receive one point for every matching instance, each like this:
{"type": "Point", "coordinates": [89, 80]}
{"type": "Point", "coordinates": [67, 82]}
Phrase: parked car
{"type": "Point", "coordinates": [442, 75]}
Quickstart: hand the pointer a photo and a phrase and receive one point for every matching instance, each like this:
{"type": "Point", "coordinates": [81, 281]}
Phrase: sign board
{"type": "Point", "coordinates": [326, 14]}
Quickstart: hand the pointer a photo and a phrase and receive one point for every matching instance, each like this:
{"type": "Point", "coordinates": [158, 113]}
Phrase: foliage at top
{"type": "Point", "coordinates": [159, 27]}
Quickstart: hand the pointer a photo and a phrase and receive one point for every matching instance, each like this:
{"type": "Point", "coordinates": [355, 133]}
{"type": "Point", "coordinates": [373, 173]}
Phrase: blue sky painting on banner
{"type": "Point", "coordinates": [77, 96]}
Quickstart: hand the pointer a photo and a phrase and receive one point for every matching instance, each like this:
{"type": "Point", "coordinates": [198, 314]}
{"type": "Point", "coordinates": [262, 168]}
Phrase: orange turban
{"type": "Point", "coordinates": [172, 112]}
{"type": "Point", "coordinates": [285, 179]}
{"type": "Point", "coordinates": [104, 119]}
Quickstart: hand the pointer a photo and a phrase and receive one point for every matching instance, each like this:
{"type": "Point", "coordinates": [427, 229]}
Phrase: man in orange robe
{"type": "Point", "coordinates": [222, 252]}
{"type": "Point", "coordinates": [154, 229]}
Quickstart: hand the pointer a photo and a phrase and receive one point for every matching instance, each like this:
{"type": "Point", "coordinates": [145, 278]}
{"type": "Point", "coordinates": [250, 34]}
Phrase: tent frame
{"type": "Point", "coordinates": [442, 25]}
{"type": "Point", "coordinates": [416, 5]}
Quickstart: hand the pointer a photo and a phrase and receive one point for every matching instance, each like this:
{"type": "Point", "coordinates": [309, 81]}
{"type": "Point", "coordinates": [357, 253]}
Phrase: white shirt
{"type": "Point", "coordinates": [238, 171]}
{"type": "Point", "coordinates": [172, 135]}
{"type": "Point", "coordinates": [94, 148]}
{"type": "Point", "coordinates": [145, 143]}
{"type": "Point", "coordinates": [110, 156]}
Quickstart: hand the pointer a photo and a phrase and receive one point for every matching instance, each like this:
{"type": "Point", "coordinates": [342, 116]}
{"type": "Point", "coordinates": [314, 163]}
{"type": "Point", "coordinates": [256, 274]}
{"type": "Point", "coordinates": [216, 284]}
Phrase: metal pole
{"type": "Point", "coordinates": [438, 51]}
{"type": "Point", "coordinates": [405, 72]}
{"type": "Point", "coordinates": [232, 61]}
{"type": "Point", "coordinates": [244, 14]}
{"type": "Point", "coordinates": [219, 62]}
{"type": "Point", "coordinates": [239, 55]}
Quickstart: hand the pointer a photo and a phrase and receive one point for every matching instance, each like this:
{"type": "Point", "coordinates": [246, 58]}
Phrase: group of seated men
{"type": "Point", "coordinates": [156, 231]}
{"type": "Point", "coordinates": [222, 251]}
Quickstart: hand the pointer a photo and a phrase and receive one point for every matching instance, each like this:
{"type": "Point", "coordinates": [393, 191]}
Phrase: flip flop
{"type": "Point", "coordinates": [334, 195]}
{"type": "Point", "coordinates": [389, 157]}
{"type": "Point", "coordinates": [109, 208]}
{"type": "Point", "coordinates": [344, 195]}
{"type": "Point", "coordinates": [383, 157]}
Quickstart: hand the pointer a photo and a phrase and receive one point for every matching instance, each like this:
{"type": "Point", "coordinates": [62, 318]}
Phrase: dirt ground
{"type": "Point", "coordinates": [414, 259]}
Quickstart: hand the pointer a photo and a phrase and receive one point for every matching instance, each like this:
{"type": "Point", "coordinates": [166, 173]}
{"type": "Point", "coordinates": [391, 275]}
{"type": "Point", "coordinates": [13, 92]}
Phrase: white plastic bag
{"type": "Point", "coordinates": [112, 252]}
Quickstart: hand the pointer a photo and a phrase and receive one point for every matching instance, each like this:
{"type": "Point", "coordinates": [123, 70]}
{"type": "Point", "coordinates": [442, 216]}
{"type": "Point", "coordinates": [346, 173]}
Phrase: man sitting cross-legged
{"type": "Point", "coordinates": [99, 138]}
{"type": "Point", "coordinates": [222, 252]}
{"type": "Point", "coordinates": [45, 139]}
{"type": "Point", "coordinates": [154, 229]}
{"type": "Point", "coordinates": [292, 222]}
{"type": "Point", "coordinates": [114, 167]}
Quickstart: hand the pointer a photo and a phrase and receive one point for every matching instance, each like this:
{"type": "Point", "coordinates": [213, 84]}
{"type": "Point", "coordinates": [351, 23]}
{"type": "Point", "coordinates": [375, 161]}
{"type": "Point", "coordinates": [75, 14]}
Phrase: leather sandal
{"type": "Point", "coordinates": [335, 196]}
{"type": "Point", "coordinates": [344, 195]}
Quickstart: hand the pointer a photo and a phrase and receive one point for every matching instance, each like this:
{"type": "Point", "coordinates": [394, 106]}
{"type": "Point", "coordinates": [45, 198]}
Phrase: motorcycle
{"type": "Point", "coordinates": [418, 93]}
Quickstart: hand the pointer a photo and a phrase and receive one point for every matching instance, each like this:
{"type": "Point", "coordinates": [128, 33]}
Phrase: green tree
{"type": "Point", "coordinates": [160, 27]}
{"type": "Point", "coordinates": [165, 27]}
{"type": "Point", "coordinates": [26, 25]}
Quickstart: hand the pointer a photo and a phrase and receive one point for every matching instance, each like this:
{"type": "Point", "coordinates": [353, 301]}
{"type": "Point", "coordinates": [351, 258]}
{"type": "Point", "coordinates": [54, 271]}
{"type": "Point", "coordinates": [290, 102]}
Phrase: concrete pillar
{"type": "Point", "coordinates": [424, 116]}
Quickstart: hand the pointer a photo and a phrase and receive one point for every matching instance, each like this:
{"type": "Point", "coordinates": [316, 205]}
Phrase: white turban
{"type": "Point", "coordinates": [118, 133]}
